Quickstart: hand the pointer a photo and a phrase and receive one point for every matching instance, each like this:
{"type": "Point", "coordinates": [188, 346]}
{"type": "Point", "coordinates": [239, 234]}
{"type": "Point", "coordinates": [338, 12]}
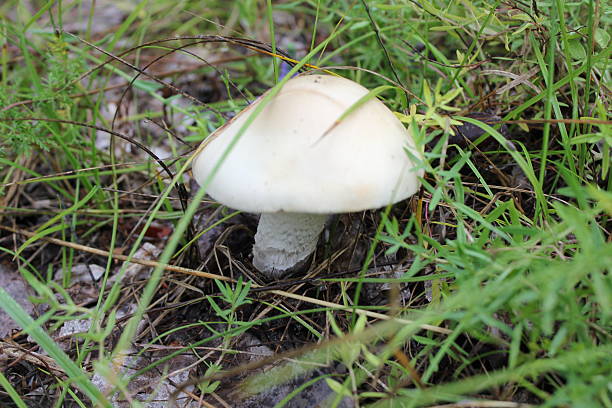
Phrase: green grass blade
{"type": "Point", "coordinates": [11, 392]}
{"type": "Point", "coordinates": [43, 230]}
{"type": "Point", "coordinates": [74, 373]}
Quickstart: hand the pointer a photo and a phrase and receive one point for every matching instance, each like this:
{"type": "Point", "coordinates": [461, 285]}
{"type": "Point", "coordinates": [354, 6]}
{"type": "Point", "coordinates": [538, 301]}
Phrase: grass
{"type": "Point", "coordinates": [490, 286]}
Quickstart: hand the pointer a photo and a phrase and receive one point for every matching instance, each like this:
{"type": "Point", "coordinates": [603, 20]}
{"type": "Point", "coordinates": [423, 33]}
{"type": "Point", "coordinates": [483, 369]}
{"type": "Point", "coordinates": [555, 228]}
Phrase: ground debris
{"type": "Point", "coordinates": [317, 394]}
{"type": "Point", "coordinates": [154, 387]}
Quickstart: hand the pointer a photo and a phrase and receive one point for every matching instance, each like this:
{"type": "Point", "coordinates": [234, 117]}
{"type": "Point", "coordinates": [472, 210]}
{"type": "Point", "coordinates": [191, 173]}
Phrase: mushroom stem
{"type": "Point", "coordinates": [284, 240]}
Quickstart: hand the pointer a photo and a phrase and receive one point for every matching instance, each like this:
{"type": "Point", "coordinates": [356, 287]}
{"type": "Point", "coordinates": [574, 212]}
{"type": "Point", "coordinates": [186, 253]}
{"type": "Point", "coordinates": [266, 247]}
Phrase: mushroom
{"type": "Point", "coordinates": [311, 152]}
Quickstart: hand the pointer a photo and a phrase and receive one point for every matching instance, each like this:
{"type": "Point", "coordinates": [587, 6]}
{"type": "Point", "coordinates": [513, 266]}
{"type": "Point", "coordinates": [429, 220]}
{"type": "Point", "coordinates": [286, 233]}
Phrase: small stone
{"type": "Point", "coordinates": [12, 282]}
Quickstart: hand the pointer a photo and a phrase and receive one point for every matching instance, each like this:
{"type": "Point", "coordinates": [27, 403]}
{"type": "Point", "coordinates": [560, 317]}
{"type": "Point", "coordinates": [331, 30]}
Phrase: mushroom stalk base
{"type": "Point", "coordinates": [284, 240]}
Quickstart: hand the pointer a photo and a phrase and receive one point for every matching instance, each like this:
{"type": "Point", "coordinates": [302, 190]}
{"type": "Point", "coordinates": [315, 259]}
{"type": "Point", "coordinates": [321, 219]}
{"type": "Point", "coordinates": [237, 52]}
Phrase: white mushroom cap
{"type": "Point", "coordinates": [285, 162]}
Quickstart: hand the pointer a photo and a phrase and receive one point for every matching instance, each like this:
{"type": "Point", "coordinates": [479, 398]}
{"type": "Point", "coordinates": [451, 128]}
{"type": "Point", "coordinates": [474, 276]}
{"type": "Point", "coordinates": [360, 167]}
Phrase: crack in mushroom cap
{"type": "Point", "coordinates": [284, 161]}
